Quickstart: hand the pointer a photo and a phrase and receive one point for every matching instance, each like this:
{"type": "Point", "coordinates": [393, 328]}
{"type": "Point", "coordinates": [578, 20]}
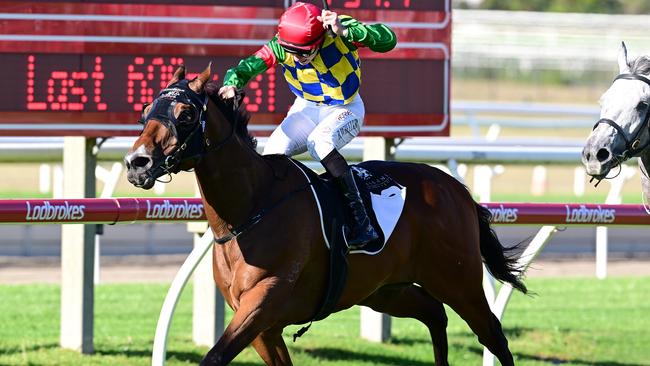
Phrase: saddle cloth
{"type": "Point", "coordinates": [383, 198]}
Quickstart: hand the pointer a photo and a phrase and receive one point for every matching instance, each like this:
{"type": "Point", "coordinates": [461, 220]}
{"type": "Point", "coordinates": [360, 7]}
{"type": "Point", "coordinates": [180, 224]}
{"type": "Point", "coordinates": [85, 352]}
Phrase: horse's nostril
{"type": "Point", "coordinates": [602, 155]}
{"type": "Point", "coordinates": [140, 161]}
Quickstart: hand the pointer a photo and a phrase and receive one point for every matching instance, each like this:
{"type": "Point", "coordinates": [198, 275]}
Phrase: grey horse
{"type": "Point", "coordinates": [623, 131]}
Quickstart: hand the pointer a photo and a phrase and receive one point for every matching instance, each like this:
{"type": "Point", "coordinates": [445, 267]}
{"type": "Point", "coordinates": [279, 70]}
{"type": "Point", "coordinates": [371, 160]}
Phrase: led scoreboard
{"type": "Point", "coordinates": [84, 67]}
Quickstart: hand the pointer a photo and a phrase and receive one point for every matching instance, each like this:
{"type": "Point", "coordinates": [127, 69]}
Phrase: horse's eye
{"type": "Point", "coordinates": [642, 106]}
{"type": "Point", "coordinates": [186, 116]}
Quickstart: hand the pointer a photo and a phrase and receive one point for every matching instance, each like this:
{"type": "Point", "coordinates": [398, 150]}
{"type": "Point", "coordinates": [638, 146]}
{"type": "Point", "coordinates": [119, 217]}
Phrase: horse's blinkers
{"type": "Point", "coordinates": [184, 127]}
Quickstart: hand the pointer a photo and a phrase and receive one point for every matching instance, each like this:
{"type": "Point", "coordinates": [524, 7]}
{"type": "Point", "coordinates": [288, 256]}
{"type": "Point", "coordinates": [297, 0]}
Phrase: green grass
{"type": "Point", "coordinates": [569, 321]}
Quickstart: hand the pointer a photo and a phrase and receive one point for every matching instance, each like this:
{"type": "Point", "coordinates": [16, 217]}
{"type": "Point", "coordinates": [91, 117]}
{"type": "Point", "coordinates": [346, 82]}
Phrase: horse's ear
{"type": "Point", "coordinates": [179, 74]}
{"type": "Point", "coordinates": [623, 65]}
{"type": "Point", "coordinates": [199, 83]}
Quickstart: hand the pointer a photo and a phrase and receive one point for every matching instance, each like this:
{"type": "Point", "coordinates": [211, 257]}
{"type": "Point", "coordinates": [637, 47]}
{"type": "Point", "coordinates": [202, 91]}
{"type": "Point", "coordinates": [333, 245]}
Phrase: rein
{"type": "Point", "coordinates": [632, 146]}
{"type": "Point", "coordinates": [233, 233]}
{"type": "Point", "coordinates": [239, 96]}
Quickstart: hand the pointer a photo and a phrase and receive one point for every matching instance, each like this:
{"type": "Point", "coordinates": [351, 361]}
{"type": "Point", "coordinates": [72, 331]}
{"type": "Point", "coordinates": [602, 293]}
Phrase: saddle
{"type": "Point", "coordinates": [384, 200]}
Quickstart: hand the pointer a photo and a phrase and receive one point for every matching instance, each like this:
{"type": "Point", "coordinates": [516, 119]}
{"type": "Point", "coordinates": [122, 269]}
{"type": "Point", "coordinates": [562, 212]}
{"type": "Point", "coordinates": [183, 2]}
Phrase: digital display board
{"type": "Point", "coordinates": [432, 5]}
{"type": "Point", "coordinates": [266, 3]}
{"type": "Point", "coordinates": [119, 83]}
{"type": "Point", "coordinates": [87, 65]}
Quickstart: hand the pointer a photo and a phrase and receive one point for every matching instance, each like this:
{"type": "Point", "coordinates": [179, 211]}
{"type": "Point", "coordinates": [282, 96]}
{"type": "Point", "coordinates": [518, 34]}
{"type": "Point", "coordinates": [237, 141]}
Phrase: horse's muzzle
{"type": "Point", "coordinates": [597, 161]}
{"type": "Point", "coordinates": [137, 170]}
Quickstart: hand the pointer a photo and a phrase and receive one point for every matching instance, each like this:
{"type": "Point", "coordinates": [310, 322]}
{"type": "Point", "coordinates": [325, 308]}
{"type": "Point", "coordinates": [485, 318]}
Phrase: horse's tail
{"type": "Point", "coordinates": [500, 261]}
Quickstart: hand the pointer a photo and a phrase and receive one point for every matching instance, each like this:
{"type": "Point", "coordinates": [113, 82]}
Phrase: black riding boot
{"type": "Point", "coordinates": [361, 231]}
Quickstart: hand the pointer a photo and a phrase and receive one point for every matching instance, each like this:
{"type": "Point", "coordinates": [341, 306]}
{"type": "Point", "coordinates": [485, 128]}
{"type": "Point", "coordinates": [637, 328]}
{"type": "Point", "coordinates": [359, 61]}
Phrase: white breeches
{"type": "Point", "coordinates": [317, 128]}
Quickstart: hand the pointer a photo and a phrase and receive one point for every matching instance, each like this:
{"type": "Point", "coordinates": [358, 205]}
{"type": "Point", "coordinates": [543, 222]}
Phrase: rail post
{"type": "Point", "coordinates": [375, 326]}
{"type": "Point", "coordinates": [208, 305]}
{"type": "Point", "coordinates": [78, 249]}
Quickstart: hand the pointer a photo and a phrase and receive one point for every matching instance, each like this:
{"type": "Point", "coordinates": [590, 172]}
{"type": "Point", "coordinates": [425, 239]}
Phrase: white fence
{"type": "Point", "coordinates": [546, 40]}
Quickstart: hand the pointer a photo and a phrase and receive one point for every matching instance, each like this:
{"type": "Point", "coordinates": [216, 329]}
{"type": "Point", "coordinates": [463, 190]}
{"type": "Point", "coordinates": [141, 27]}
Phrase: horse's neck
{"type": "Point", "coordinates": [644, 166]}
{"type": "Point", "coordinates": [232, 177]}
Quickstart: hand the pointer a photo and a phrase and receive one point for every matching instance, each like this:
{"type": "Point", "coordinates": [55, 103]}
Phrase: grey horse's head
{"type": "Point", "coordinates": [622, 131]}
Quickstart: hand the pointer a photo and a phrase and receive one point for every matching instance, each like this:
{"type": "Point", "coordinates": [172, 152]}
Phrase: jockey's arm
{"type": "Point", "coordinates": [378, 37]}
{"type": "Point", "coordinates": [265, 58]}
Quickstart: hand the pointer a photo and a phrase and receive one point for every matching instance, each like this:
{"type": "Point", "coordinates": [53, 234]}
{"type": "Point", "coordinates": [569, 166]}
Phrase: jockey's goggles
{"type": "Point", "coordinates": [300, 53]}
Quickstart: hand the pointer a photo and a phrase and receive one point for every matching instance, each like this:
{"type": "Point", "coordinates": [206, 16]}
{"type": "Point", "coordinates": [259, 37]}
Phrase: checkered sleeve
{"type": "Point", "coordinates": [378, 37]}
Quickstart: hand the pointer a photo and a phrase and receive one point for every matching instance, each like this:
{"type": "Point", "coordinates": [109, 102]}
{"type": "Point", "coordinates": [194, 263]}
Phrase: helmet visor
{"type": "Point", "coordinates": [300, 52]}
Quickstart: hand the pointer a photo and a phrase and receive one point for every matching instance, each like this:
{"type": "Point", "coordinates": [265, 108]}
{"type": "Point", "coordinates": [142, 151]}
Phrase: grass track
{"type": "Point", "coordinates": [569, 322]}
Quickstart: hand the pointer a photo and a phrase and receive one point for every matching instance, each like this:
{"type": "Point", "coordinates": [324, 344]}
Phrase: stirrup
{"type": "Point", "coordinates": [370, 235]}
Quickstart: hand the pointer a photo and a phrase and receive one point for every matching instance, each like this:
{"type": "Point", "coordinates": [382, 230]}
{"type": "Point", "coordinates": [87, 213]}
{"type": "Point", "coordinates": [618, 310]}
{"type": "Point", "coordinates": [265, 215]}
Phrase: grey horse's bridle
{"type": "Point", "coordinates": [632, 146]}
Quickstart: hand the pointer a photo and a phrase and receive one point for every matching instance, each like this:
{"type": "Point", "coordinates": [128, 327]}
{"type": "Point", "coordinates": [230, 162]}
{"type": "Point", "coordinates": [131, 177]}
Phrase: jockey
{"type": "Point", "coordinates": [323, 70]}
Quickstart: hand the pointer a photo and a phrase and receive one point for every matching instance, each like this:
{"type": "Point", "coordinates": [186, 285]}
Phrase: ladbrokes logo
{"type": "Point", "coordinates": [503, 215]}
{"type": "Point", "coordinates": [55, 212]}
{"type": "Point", "coordinates": [166, 210]}
{"type": "Point", "coordinates": [584, 215]}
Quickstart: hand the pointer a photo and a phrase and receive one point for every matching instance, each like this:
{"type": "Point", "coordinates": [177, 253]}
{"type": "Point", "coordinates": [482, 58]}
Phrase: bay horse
{"type": "Point", "coordinates": [272, 270]}
{"type": "Point", "coordinates": [623, 131]}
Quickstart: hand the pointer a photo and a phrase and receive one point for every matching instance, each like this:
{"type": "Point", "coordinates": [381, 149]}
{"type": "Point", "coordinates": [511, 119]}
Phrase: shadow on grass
{"type": "Point", "coordinates": [516, 332]}
{"type": "Point", "coordinates": [457, 336]}
{"type": "Point", "coordinates": [31, 348]}
{"type": "Point", "coordinates": [408, 341]}
{"type": "Point", "coordinates": [131, 352]}
{"type": "Point", "coordinates": [335, 354]}
{"type": "Point", "coordinates": [187, 357]}
{"type": "Point", "coordinates": [560, 361]}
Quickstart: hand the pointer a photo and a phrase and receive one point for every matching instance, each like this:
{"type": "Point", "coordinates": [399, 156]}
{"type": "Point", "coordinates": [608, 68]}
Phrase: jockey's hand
{"type": "Point", "coordinates": [330, 18]}
{"type": "Point", "coordinates": [227, 92]}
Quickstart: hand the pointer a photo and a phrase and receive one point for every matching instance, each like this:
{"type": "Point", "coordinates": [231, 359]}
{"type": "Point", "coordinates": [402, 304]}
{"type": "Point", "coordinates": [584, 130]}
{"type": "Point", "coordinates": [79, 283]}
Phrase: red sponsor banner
{"type": "Point", "coordinates": [131, 210]}
{"type": "Point", "coordinates": [99, 210]}
{"type": "Point", "coordinates": [567, 214]}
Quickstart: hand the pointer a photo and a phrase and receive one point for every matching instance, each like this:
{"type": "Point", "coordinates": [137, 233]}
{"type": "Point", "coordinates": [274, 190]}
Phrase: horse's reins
{"type": "Point", "coordinates": [632, 146]}
{"type": "Point", "coordinates": [235, 232]}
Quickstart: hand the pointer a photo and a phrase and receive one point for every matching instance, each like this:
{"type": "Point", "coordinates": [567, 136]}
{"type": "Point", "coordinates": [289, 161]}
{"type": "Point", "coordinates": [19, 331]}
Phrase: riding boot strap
{"type": "Point", "coordinates": [361, 231]}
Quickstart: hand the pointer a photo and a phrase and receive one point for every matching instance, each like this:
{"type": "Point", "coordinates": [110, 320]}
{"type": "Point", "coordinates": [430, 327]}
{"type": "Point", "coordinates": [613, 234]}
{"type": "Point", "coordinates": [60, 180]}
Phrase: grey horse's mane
{"type": "Point", "coordinates": [640, 65]}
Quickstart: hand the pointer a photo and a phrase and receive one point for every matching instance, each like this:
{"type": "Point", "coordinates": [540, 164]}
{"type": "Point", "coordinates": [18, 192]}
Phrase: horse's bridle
{"type": "Point", "coordinates": [632, 147]}
{"type": "Point", "coordinates": [184, 127]}
{"type": "Point", "coordinates": [162, 110]}
{"type": "Point", "coordinates": [188, 125]}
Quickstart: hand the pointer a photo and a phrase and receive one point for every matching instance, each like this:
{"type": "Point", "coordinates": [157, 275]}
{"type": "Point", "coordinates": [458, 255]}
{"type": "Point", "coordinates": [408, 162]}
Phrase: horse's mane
{"type": "Point", "coordinates": [238, 117]}
{"type": "Point", "coordinates": [640, 65]}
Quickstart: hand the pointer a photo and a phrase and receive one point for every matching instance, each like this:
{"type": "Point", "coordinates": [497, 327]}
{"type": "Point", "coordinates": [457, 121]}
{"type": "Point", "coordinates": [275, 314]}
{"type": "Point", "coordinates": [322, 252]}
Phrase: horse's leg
{"type": "Point", "coordinates": [411, 301]}
{"type": "Point", "coordinates": [271, 347]}
{"type": "Point", "coordinates": [473, 307]}
{"type": "Point", "coordinates": [256, 313]}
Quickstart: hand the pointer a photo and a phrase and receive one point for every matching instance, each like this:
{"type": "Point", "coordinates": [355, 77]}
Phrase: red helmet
{"type": "Point", "coordinates": [299, 27]}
